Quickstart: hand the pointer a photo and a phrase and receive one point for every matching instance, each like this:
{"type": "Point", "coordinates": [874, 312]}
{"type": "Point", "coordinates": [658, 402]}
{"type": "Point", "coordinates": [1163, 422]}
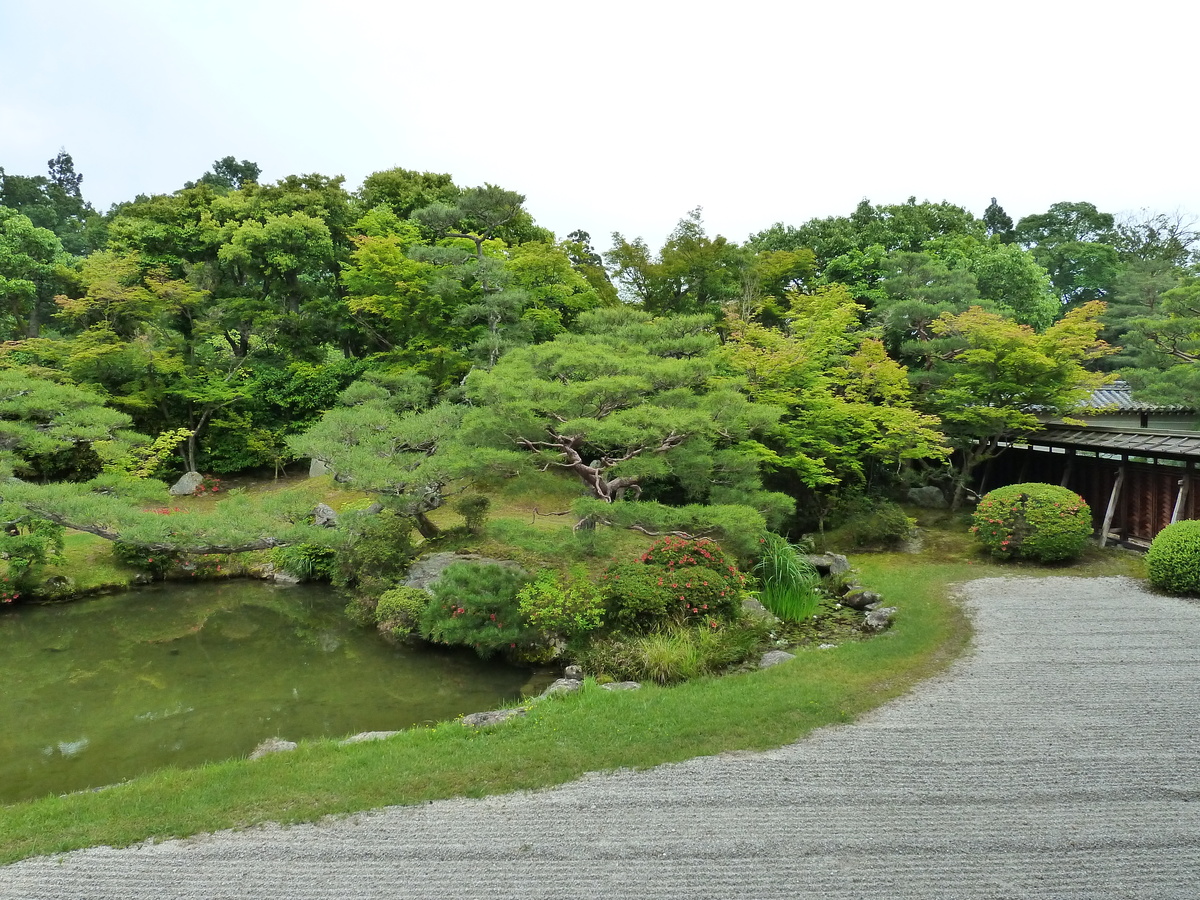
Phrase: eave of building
{"type": "Point", "coordinates": [1158, 444]}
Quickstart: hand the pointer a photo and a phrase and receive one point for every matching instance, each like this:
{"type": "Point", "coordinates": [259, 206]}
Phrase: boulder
{"type": "Point", "coordinates": [561, 686]}
{"type": "Point", "coordinates": [928, 497]}
{"type": "Point", "coordinates": [860, 599]}
{"type": "Point", "coordinates": [575, 673]}
{"type": "Point", "coordinates": [325, 516]}
{"type": "Point", "coordinates": [829, 563]}
{"type": "Point", "coordinates": [186, 485]}
{"type": "Point", "coordinates": [774, 658]}
{"type": "Point", "coordinates": [284, 578]}
{"type": "Point", "coordinates": [272, 745]}
{"type": "Point", "coordinates": [493, 717]}
{"type": "Point", "coordinates": [755, 609]}
{"type": "Point", "coordinates": [879, 619]}
{"type": "Point", "coordinates": [317, 468]}
{"type": "Point", "coordinates": [621, 686]}
{"type": "Point", "coordinates": [428, 569]}
{"type": "Point", "coordinates": [367, 736]}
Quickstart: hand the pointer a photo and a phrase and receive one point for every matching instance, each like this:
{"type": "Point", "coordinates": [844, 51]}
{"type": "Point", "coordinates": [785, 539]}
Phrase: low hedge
{"type": "Point", "coordinates": [1173, 560]}
{"type": "Point", "coordinates": [1042, 522]}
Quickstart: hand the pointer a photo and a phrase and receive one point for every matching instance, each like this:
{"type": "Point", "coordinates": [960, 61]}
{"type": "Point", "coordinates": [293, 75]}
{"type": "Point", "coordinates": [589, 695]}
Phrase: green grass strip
{"type": "Point", "coordinates": [560, 740]}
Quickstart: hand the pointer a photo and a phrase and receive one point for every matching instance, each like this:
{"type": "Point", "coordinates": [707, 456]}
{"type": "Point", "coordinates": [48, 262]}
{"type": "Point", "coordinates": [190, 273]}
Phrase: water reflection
{"type": "Point", "coordinates": [104, 690]}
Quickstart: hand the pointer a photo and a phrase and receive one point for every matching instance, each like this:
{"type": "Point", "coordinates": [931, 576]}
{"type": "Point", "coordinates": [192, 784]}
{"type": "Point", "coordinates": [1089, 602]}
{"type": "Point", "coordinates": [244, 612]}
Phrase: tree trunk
{"type": "Point", "coordinates": [425, 526]}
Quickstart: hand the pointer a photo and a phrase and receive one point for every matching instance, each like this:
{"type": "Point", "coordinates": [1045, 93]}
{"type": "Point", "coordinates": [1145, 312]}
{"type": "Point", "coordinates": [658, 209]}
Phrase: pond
{"type": "Point", "coordinates": [100, 691]}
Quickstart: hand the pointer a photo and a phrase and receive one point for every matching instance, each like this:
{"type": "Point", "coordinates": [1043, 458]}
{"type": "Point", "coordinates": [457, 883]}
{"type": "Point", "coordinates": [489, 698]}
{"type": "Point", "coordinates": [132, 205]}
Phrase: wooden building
{"type": "Point", "coordinates": [1135, 464]}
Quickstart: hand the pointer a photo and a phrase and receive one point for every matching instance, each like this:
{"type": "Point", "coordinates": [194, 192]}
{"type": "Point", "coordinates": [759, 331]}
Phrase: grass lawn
{"type": "Point", "coordinates": [563, 737]}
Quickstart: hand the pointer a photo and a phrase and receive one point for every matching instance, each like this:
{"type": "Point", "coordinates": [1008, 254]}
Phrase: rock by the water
{"type": "Point", "coordinates": [284, 578]}
{"type": "Point", "coordinates": [928, 497]}
{"type": "Point", "coordinates": [774, 658]}
{"type": "Point", "coordinates": [879, 619]}
{"type": "Point", "coordinates": [325, 516]}
{"type": "Point", "coordinates": [561, 686]}
{"type": "Point", "coordinates": [317, 468]}
{"type": "Point", "coordinates": [186, 486]}
{"type": "Point", "coordinates": [829, 563]}
{"type": "Point", "coordinates": [621, 686]}
{"type": "Point", "coordinates": [757, 610]}
{"type": "Point", "coordinates": [143, 578]}
{"type": "Point", "coordinates": [860, 599]}
{"type": "Point", "coordinates": [428, 569]}
{"type": "Point", "coordinates": [272, 745]}
{"type": "Point", "coordinates": [575, 673]}
{"type": "Point", "coordinates": [492, 717]}
{"type": "Point", "coordinates": [367, 736]}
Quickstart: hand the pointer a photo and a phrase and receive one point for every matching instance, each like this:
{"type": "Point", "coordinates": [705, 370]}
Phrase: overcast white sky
{"type": "Point", "coordinates": [621, 116]}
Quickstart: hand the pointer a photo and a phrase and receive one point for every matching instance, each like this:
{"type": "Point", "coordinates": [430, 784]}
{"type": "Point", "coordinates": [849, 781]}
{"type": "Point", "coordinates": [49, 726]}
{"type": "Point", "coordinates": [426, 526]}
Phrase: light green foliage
{"type": "Point", "coordinates": [673, 654]}
{"type": "Point", "coordinates": [1173, 560]}
{"type": "Point", "coordinates": [32, 271]}
{"type": "Point", "coordinates": [474, 510]}
{"type": "Point", "coordinates": [562, 607]}
{"type": "Point", "coordinates": [1043, 522]}
{"type": "Point", "coordinates": [475, 605]}
{"type": "Point", "coordinates": [308, 562]}
{"type": "Point", "coordinates": [399, 610]}
{"type": "Point", "coordinates": [989, 378]}
{"type": "Point", "coordinates": [374, 553]}
{"type": "Point", "coordinates": [789, 581]}
{"type": "Point", "coordinates": [737, 527]}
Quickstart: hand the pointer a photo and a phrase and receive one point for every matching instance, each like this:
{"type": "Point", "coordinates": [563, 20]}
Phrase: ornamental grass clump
{"type": "Point", "coordinates": [1041, 522]}
{"type": "Point", "coordinates": [789, 580]}
{"type": "Point", "coordinates": [1173, 560]}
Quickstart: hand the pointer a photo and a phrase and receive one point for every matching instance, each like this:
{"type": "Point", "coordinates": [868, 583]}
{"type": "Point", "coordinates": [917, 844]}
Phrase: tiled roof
{"type": "Point", "coordinates": [1118, 397]}
{"type": "Point", "coordinates": [1178, 445]}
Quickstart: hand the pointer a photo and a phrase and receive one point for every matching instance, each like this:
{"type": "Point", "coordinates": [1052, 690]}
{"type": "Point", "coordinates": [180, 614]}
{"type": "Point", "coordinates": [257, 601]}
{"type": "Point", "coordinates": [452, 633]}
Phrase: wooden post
{"type": "Point", "coordinates": [1185, 485]}
{"type": "Point", "coordinates": [1066, 479]}
{"type": "Point", "coordinates": [1112, 506]}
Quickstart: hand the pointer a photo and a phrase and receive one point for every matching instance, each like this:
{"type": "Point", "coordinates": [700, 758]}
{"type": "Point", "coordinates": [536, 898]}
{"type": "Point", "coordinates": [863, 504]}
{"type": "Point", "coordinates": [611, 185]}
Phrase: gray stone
{"type": "Point", "coordinates": [829, 563]}
{"type": "Point", "coordinates": [284, 578]}
{"type": "Point", "coordinates": [928, 497]}
{"type": "Point", "coordinates": [186, 486]}
{"type": "Point", "coordinates": [755, 609]}
{"type": "Point", "coordinates": [272, 745]}
{"type": "Point", "coordinates": [860, 599]}
{"type": "Point", "coordinates": [492, 717]}
{"type": "Point", "coordinates": [363, 736]}
{"type": "Point", "coordinates": [774, 658]}
{"type": "Point", "coordinates": [561, 686]}
{"type": "Point", "coordinates": [879, 619]}
{"type": "Point", "coordinates": [317, 468]}
{"type": "Point", "coordinates": [143, 578]}
{"type": "Point", "coordinates": [575, 673]}
{"type": "Point", "coordinates": [827, 646]}
{"type": "Point", "coordinates": [428, 569]}
{"type": "Point", "coordinates": [621, 686]}
{"type": "Point", "coordinates": [325, 516]}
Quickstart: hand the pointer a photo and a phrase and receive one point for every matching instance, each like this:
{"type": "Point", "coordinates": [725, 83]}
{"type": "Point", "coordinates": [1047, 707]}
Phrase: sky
{"type": "Point", "coordinates": [622, 116]}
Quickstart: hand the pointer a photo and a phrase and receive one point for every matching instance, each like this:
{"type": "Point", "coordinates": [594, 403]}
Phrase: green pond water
{"type": "Point", "coordinates": [96, 692]}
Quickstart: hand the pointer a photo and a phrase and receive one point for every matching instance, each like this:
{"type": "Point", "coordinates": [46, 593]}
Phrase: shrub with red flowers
{"type": "Point", "coordinates": [210, 485]}
{"type": "Point", "coordinates": [1044, 522]}
{"type": "Point", "coordinates": [675, 581]}
{"type": "Point", "coordinates": [475, 605]}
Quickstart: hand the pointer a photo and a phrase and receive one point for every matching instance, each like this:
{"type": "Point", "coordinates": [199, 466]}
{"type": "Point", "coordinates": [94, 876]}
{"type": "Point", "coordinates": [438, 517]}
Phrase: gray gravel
{"type": "Point", "coordinates": [1057, 759]}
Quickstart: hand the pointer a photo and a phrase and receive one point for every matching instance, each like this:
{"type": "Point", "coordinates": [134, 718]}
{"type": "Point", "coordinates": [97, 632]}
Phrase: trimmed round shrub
{"type": "Point", "coordinates": [399, 610]}
{"type": "Point", "coordinates": [1173, 560]}
{"type": "Point", "coordinates": [1042, 522]}
{"type": "Point", "coordinates": [475, 605]}
{"type": "Point", "coordinates": [875, 523]}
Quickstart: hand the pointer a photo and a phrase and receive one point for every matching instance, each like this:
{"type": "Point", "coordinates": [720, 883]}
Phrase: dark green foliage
{"type": "Point", "coordinates": [308, 562]}
{"type": "Point", "coordinates": [27, 545]}
{"type": "Point", "coordinates": [1043, 522]}
{"type": "Point", "coordinates": [379, 552]}
{"type": "Point", "coordinates": [399, 610]}
{"type": "Point", "coordinates": [156, 562]}
{"type": "Point", "coordinates": [875, 523]}
{"type": "Point", "coordinates": [475, 605]}
{"type": "Point", "coordinates": [1173, 560]}
{"type": "Point", "coordinates": [474, 510]}
{"type": "Point", "coordinates": [674, 582]}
